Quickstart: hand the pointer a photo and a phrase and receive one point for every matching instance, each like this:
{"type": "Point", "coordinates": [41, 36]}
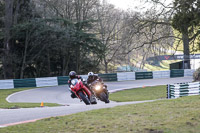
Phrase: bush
{"type": "Point", "coordinates": [196, 75]}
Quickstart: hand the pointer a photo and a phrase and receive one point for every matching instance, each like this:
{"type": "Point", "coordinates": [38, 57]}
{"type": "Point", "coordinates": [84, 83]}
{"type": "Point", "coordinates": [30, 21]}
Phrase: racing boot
{"type": "Point", "coordinates": [93, 99]}
{"type": "Point", "coordinates": [73, 95]}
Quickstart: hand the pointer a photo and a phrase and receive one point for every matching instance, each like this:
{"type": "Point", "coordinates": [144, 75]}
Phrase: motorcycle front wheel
{"type": "Point", "coordinates": [84, 98]}
{"type": "Point", "coordinates": [104, 97]}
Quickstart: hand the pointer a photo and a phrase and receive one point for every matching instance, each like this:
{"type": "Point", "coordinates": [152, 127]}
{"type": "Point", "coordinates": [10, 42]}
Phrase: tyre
{"type": "Point", "coordinates": [103, 97]}
{"type": "Point", "coordinates": [84, 98]}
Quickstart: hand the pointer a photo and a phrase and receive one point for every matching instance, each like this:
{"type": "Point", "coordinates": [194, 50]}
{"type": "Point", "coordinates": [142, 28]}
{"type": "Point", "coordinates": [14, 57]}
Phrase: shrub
{"type": "Point", "coordinates": [196, 75]}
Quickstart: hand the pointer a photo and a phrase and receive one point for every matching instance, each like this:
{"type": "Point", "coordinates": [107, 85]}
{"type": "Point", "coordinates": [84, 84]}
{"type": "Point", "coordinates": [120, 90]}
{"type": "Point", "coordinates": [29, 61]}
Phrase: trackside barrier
{"type": "Point", "coordinates": [47, 81]}
{"type": "Point", "coordinates": [20, 83]}
{"type": "Point", "coordinates": [143, 75]}
{"type": "Point", "coordinates": [183, 89]}
{"type": "Point", "coordinates": [125, 76]}
{"type": "Point", "coordinates": [161, 74]}
{"type": "Point", "coordinates": [188, 72]}
{"type": "Point", "coordinates": [108, 77]}
{"type": "Point", "coordinates": [177, 73]}
{"type": "Point", "coordinates": [6, 84]}
{"type": "Point", "coordinates": [62, 80]}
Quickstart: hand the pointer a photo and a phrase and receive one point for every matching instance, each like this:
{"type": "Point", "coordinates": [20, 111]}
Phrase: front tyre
{"type": "Point", "coordinates": [104, 97]}
{"type": "Point", "coordinates": [84, 98]}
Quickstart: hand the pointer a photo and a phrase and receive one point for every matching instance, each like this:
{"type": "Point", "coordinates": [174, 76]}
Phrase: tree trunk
{"type": "Point", "coordinates": [24, 57]}
{"type": "Point", "coordinates": [77, 59]}
{"type": "Point", "coordinates": [65, 63]}
{"type": "Point", "coordinates": [16, 13]}
{"type": "Point", "coordinates": [102, 32]}
{"type": "Point", "coordinates": [48, 63]}
{"type": "Point", "coordinates": [7, 56]}
{"type": "Point", "coordinates": [106, 65]}
{"type": "Point", "coordinates": [185, 38]}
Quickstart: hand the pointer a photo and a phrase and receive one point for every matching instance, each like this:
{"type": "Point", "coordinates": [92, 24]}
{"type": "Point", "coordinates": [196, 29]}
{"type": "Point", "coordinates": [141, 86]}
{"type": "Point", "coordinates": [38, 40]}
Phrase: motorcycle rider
{"type": "Point", "coordinates": [73, 75]}
{"type": "Point", "coordinates": [92, 78]}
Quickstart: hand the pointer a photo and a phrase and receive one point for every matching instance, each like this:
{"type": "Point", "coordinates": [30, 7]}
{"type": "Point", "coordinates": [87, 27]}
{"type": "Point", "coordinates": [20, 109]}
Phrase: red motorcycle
{"type": "Point", "coordinates": [81, 91]}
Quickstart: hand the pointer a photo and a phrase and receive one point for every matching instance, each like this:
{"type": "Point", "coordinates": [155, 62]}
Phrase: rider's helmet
{"type": "Point", "coordinates": [90, 74]}
{"type": "Point", "coordinates": [72, 74]}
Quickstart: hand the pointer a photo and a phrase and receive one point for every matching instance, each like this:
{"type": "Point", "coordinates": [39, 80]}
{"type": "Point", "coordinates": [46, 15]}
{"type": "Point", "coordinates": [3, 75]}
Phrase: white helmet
{"type": "Point", "coordinates": [90, 74]}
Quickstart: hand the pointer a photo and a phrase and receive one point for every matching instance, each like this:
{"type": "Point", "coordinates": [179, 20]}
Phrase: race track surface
{"type": "Point", "coordinates": [61, 95]}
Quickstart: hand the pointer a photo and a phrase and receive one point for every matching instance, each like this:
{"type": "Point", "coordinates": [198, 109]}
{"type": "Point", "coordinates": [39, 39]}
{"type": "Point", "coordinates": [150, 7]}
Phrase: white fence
{"type": "Point", "coordinates": [183, 89]}
{"type": "Point", "coordinates": [6, 84]}
{"type": "Point", "coordinates": [125, 76]}
{"type": "Point", "coordinates": [161, 74]}
{"type": "Point", "coordinates": [188, 72]}
{"type": "Point", "coordinates": [48, 81]}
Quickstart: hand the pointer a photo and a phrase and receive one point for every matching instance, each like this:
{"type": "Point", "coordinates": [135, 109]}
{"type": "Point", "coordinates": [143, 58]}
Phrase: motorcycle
{"type": "Point", "coordinates": [81, 91]}
{"type": "Point", "coordinates": [100, 91]}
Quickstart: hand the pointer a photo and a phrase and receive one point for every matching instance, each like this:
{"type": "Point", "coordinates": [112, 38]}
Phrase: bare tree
{"type": "Point", "coordinates": [110, 28]}
{"type": "Point", "coordinates": [181, 16]}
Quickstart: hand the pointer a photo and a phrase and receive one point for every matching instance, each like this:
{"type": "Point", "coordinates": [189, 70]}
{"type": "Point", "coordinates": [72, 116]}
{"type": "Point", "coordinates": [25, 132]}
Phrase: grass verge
{"type": "Point", "coordinates": [180, 115]}
{"type": "Point", "coordinates": [4, 104]}
{"type": "Point", "coordinates": [140, 94]}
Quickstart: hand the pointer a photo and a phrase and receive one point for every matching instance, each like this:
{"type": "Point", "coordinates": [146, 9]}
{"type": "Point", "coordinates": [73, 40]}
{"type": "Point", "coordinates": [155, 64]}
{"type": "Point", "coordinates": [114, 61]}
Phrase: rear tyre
{"type": "Point", "coordinates": [84, 98]}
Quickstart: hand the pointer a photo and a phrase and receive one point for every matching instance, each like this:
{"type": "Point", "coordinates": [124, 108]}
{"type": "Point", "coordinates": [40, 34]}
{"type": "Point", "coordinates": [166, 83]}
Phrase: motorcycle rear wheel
{"type": "Point", "coordinates": [84, 98]}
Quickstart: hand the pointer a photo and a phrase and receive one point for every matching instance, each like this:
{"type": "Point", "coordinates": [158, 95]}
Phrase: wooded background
{"type": "Point", "coordinates": [40, 38]}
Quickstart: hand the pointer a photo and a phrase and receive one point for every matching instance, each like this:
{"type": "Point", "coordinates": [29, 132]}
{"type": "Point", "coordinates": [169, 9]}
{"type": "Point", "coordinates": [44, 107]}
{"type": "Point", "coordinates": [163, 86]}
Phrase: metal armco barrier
{"type": "Point", "coordinates": [183, 89]}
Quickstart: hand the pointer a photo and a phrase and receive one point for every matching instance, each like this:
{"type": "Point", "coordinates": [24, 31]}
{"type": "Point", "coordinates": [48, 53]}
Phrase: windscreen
{"type": "Point", "coordinates": [74, 81]}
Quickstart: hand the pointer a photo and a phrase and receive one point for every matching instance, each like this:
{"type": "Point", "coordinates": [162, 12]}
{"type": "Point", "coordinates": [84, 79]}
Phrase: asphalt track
{"type": "Point", "coordinates": [61, 95]}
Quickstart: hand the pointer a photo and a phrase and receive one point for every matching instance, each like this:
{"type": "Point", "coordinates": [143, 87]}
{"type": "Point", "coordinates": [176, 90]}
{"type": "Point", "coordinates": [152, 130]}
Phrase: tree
{"type": "Point", "coordinates": [149, 34]}
{"type": "Point", "coordinates": [110, 27]}
{"type": "Point", "coordinates": [183, 16]}
{"type": "Point", "coordinates": [80, 13]}
{"type": "Point", "coordinates": [15, 11]}
{"type": "Point", "coordinates": [7, 54]}
{"type": "Point", "coordinates": [186, 20]}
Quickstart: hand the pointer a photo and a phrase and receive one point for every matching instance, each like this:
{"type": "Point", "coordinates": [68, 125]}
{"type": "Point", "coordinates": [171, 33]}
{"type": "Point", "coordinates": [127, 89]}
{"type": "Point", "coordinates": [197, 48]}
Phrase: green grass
{"type": "Point", "coordinates": [166, 116]}
{"type": "Point", "coordinates": [140, 94]}
{"type": "Point", "coordinates": [4, 104]}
